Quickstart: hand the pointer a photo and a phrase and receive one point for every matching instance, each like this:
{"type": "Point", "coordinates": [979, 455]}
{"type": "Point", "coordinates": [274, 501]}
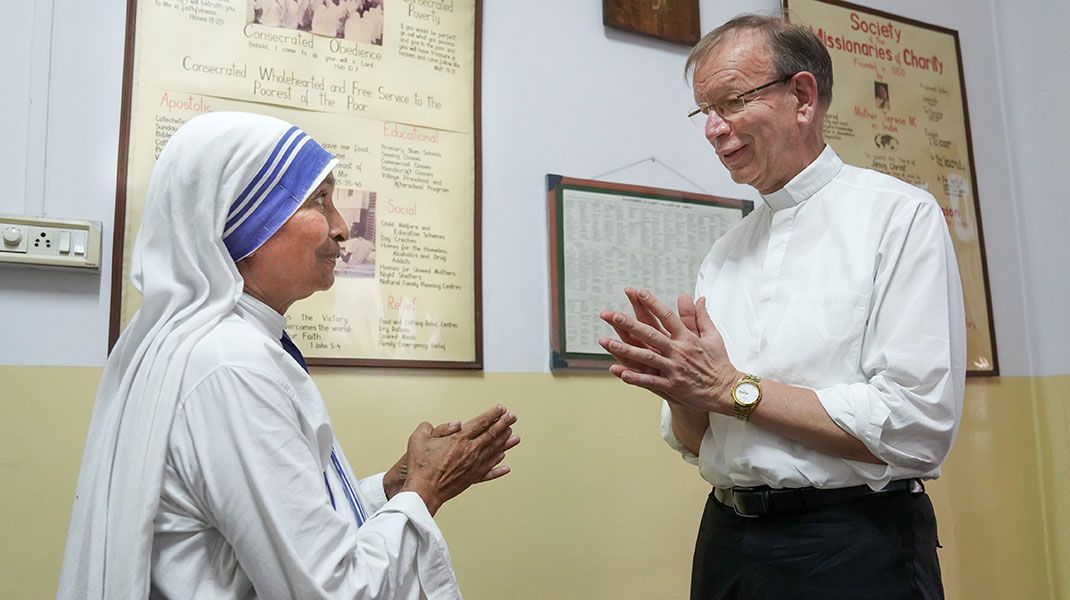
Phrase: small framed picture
{"type": "Point", "coordinates": [671, 20]}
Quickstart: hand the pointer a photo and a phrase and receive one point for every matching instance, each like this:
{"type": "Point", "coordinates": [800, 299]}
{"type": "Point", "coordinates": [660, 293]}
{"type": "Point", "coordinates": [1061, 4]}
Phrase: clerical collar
{"type": "Point", "coordinates": [262, 315]}
{"type": "Point", "coordinates": [807, 183]}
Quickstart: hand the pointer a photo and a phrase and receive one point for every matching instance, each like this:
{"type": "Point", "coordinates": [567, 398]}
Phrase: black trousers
{"type": "Point", "coordinates": [879, 547]}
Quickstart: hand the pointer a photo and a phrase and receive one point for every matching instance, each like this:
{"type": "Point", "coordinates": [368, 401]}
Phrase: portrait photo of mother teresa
{"type": "Point", "coordinates": [211, 468]}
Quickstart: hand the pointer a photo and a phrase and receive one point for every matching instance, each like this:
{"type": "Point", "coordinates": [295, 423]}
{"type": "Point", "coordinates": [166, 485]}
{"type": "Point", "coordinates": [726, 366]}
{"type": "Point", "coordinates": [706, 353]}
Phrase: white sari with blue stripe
{"type": "Point", "coordinates": [205, 459]}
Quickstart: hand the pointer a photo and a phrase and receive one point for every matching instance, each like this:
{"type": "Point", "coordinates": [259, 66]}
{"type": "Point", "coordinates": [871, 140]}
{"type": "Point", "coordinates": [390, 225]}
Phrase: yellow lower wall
{"type": "Point", "coordinates": [1053, 447]}
{"type": "Point", "coordinates": [596, 507]}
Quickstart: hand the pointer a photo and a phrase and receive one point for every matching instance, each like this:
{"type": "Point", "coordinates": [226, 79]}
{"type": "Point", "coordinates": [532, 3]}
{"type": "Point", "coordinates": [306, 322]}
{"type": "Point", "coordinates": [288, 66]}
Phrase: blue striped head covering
{"type": "Point", "coordinates": [293, 169]}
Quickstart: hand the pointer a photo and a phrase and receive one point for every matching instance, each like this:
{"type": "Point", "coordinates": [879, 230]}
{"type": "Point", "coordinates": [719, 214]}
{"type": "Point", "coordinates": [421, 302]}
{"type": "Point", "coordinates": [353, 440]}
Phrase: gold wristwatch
{"type": "Point", "coordinates": [746, 395]}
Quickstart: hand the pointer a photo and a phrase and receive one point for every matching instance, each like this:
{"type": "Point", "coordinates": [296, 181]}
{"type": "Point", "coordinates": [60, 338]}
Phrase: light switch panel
{"type": "Point", "coordinates": [47, 242]}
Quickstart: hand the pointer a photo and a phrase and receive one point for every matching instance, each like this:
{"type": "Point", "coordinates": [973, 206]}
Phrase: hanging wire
{"type": "Point", "coordinates": [654, 160]}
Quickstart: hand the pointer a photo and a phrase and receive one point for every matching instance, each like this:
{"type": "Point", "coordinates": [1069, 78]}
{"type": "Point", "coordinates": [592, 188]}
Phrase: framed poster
{"type": "Point", "coordinates": [671, 20]}
{"type": "Point", "coordinates": [899, 107]}
{"type": "Point", "coordinates": [390, 87]}
{"type": "Point", "coordinates": [605, 237]}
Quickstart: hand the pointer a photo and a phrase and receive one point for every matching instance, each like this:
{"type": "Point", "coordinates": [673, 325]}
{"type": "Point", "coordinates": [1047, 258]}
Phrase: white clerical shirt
{"type": "Point", "coordinates": [844, 282]}
{"type": "Point", "coordinates": [244, 510]}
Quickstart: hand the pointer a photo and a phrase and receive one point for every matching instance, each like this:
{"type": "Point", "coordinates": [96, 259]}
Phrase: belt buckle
{"type": "Point", "coordinates": [751, 503]}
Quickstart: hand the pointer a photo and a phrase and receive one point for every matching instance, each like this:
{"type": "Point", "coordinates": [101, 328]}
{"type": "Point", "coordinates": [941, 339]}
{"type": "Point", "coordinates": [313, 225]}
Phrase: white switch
{"type": "Point", "coordinates": [64, 242]}
{"type": "Point", "coordinates": [79, 242]}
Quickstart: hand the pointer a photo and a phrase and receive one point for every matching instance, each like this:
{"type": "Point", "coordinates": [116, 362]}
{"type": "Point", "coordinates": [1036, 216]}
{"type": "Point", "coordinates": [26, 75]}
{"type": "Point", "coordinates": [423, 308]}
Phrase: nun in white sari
{"type": "Point", "coordinates": [211, 468]}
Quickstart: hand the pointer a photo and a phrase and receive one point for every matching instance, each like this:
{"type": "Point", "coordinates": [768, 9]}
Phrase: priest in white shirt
{"type": "Point", "coordinates": [211, 467]}
{"type": "Point", "coordinates": [818, 378]}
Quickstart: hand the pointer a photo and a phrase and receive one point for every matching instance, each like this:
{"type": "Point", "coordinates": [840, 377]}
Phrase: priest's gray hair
{"type": "Point", "coordinates": [795, 48]}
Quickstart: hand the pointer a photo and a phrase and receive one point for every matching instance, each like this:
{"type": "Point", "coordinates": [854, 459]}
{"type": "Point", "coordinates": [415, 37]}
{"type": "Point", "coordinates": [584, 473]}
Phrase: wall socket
{"type": "Point", "coordinates": [51, 243]}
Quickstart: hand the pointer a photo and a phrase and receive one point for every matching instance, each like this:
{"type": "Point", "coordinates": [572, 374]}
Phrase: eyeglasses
{"type": "Point", "coordinates": [732, 104]}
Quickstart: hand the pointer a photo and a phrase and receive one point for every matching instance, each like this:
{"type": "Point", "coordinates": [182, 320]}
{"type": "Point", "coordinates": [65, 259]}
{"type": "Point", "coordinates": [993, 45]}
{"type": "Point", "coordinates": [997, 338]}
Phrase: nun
{"type": "Point", "coordinates": [211, 468]}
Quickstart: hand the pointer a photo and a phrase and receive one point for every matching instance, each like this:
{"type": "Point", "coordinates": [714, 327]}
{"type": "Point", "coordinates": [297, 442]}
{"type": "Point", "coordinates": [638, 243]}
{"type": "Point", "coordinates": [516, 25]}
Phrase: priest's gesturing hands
{"type": "Point", "coordinates": [681, 358]}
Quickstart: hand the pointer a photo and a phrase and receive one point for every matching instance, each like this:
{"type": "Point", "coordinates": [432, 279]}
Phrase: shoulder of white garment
{"type": "Point", "coordinates": [878, 186]}
{"type": "Point", "coordinates": [247, 337]}
{"type": "Point", "coordinates": [237, 343]}
{"type": "Point", "coordinates": [260, 386]}
{"type": "Point", "coordinates": [899, 206]}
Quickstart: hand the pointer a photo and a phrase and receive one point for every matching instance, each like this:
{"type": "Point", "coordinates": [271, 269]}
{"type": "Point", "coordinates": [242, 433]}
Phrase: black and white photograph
{"type": "Point", "coordinates": [354, 20]}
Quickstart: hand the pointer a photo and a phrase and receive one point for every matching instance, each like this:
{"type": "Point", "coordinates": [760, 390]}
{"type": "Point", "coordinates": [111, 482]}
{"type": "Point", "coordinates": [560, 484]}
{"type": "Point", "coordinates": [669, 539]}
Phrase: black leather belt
{"type": "Point", "coordinates": [763, 500]}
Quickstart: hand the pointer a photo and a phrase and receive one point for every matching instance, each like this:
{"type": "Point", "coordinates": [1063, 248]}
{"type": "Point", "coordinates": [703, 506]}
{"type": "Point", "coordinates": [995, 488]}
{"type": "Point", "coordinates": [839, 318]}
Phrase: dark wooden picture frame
{"type": "Point", "coordinates": [561, 357]}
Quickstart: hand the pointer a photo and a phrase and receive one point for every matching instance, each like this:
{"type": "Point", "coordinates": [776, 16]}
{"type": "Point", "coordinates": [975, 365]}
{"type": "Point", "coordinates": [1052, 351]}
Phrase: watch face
{"type": "Point", "coordinates": [746, 393]}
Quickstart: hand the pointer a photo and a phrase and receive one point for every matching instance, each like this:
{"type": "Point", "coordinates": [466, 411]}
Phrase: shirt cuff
{"type": "Point", "coordinates": [372, 494]}
{"type": "Point", "coordinates": [856, 415]}
{"type": "Point", "coordinates": [434, 566]}
{"type": "Point", "coordinates": [670, 437]}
